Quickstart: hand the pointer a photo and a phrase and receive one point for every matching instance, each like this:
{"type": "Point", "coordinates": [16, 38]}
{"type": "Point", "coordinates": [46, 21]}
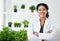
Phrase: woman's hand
{"type": "Point", "coordinates": [36, 33]}
{"type": "Point", "coordinates": [49, 31]}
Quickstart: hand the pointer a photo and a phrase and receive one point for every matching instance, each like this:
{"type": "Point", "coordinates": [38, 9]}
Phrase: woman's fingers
{"type": "Point", "coordinates": [36, 33]}
{"type": "Point", "coordinates": [49, 31]}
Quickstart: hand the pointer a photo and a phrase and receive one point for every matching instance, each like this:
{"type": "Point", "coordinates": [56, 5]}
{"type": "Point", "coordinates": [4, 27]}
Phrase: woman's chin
{"type": "Point", "coordinates": [42, 16]}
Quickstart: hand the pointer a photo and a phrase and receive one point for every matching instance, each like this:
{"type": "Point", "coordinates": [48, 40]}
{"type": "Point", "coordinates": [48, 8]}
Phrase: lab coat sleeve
{"type": "Point", "coordinates": [48, 36]}
{"type": "Point", "coordinates": [30, 32]}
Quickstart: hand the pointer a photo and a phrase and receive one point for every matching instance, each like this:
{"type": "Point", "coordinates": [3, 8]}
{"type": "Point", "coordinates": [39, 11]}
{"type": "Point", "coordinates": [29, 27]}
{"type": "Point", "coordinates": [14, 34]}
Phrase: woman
{"type": "Point", "coordinates": [42, 29]}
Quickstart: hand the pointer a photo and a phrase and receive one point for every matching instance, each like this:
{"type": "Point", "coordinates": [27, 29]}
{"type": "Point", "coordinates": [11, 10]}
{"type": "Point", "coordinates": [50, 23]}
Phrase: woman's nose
{"type": "Point", "coordinates": [41, 11]}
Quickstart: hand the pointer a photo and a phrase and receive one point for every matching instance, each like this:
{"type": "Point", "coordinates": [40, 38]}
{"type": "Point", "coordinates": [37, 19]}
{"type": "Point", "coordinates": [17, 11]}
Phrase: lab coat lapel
{"type": "Point", "coordinates": [37, 26]}
{"type": "Point", "coordinates": [45, 25]}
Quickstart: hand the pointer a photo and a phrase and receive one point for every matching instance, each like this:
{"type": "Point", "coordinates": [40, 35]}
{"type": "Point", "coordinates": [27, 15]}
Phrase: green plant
{"type": "Point", "coordinates": [32, 8]}
{"type": "Point", "coordinates": [23, 35]}
{"type": "Point", "coordinates": [0, 36]}
{"type": "Point", "coordinates": [15, 8]}
{"type": "Point", "coordinates": [9, 35]}
{"type": "Point", "coordinates": [25, 22]}
{"type": "Point", "coordinates": [17, 24]}
{"type": "Point", "coordinates": [13, 35]}
{"type": "Point", "coordinates": [19, 35]}
{"type": "Point", "coordinates": [5, 34]}
{"type": "Point", "coordinates": [23, 6]}
{"type": "Point", "coordinates": [9, 24]}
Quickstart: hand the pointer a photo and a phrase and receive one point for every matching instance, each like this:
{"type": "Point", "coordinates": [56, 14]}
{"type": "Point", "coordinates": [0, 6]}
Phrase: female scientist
{"type": "Point", "coordinates": [42, 29]}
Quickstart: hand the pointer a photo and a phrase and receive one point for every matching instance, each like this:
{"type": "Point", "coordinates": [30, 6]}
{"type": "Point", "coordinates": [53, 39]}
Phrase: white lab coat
{"type": "Point", "coordinates": [35, 27]}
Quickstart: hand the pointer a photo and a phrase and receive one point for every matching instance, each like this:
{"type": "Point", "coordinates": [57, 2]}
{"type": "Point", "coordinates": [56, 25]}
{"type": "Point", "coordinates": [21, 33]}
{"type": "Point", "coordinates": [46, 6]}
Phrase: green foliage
{"type": "Point", "coordinates": [17, 24]}
{"type": "Point", "coordinates": [32, 7]}
{"type": "Point", "coordinates": [8, 34]}
{"type": "Point", "coordinates": [25, 22]}
{"type": "Point", "coordinates": [23, 35]}
{"type": "Point", "coordinates": [9, 24]}
{"type": "Point", "coordinates": [23, 6]}
{"type": "Point", "coordinates": [5, 33]}
{"type": "Point", "coordinates": [15, 7]}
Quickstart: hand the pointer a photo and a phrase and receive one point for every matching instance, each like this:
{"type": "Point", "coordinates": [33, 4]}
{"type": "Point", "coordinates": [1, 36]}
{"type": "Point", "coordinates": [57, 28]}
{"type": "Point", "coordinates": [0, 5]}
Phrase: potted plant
{"type": "Point", "coordinates": [9, 24]}
{"type": "Point", "coordinates": [15, 24]}
{"type": "Point", "coordinates": [23, 6]}
{"type": "Point", "coordinates": [32, 8]}
{"type": "Point", "coordinates": [19, 24]}
{"type": "Point", "coordinates": [15, 8]}
{"type": "Point", "coordinates": [25, 22]}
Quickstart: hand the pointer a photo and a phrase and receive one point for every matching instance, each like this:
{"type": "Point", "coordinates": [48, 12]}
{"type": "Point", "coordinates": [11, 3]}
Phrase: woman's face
{"type": "Point", "coordinates": [42, 11]}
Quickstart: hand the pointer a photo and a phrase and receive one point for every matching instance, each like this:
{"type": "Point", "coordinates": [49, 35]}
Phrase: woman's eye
{"type": "Point", "coordinates": [39, 10]}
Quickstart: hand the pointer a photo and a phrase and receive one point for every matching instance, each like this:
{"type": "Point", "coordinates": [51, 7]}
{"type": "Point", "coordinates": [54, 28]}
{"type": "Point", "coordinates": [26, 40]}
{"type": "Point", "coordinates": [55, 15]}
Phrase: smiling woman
{"type": "Point", "coordinates": [42, 9]}
{"type": "Point", "coordinates": [43, 28]}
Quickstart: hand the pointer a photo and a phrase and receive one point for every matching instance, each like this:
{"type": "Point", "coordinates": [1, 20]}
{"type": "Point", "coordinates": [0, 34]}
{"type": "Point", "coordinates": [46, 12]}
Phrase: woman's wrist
{"type": "Point", "coordinates": [36, 33]}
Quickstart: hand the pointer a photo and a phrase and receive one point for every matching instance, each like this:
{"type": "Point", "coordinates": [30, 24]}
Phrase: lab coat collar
{"type": "Point", "coordinates": [45, 25]}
